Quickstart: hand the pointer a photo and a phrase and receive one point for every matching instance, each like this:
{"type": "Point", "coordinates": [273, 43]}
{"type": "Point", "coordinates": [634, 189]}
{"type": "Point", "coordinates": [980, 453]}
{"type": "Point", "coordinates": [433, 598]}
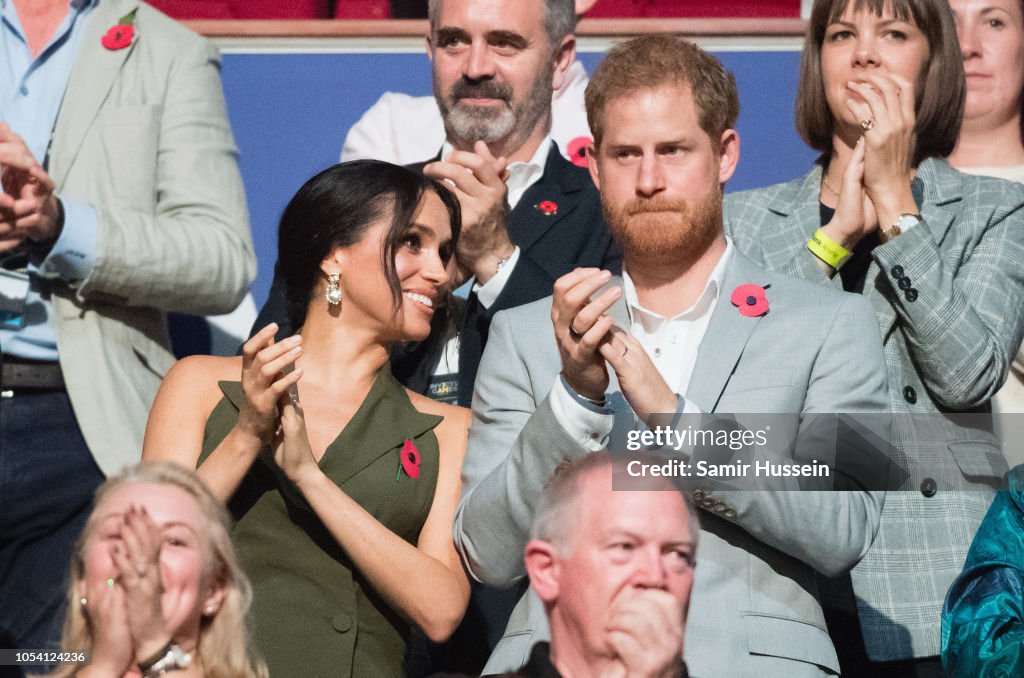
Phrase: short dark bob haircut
{"type": "Point", "coordinates": [940, 90]}
{"type": "Point", "coordinates": [335, 209]}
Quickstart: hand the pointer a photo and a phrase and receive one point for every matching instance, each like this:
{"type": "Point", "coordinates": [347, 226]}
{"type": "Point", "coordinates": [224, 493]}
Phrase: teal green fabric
{"type": "Point", "coordinates": [314, 613]}
{"type": "Point", "coordinates": [983, 618]}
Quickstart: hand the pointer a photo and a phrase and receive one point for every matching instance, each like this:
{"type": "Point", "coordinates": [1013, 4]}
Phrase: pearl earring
{"type": "Point", "coordinates": [83, 601]}
{"type": "Point", "coordinates": [333, 293]}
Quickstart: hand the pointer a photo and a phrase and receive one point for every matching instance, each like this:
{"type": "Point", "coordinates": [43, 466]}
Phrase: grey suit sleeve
{"type": "Point", "coordinates": [192, 251]}
{"type": "Point", "coordinates": [515, 443]}
{"type": "Point", "coordinates": [964, 327]}
{"type": "Point", "coordinates": [829, 530]}
{"type": "Point", "coordinates": [749, 222]}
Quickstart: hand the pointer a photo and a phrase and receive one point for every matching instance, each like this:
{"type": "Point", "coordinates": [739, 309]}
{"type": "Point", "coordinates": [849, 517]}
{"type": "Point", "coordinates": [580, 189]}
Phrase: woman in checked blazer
{"type": "Point", "coordinates": [941, 257]}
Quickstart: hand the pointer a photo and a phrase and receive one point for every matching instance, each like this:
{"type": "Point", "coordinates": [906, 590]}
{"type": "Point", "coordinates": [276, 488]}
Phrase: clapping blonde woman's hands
{"type": "Point", "coordinates": [112, 648]}
{"type": "Point", "coordinates": [137, 558]}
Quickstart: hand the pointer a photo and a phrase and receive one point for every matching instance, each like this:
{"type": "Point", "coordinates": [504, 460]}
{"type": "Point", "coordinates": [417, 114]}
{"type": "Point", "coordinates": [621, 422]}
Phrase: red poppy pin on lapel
{"type": "Point", "coordinates": [120, 34]}
{"type": "Point", "coordinates": [577, 150]}
{"type": "Point", "coordinates": [751, 300]}
{"type": "Point", "coordinates": [410, 460]}
{"type": "Point", "coordinates": [547, 207]}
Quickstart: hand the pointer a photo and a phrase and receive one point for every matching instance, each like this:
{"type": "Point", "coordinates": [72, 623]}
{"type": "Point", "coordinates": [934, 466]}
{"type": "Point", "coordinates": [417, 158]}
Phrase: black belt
{"type": "Point", "coordinates": [20, 373]}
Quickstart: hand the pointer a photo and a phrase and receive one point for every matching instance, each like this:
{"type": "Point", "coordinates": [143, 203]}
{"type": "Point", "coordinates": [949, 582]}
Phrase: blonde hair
{"type": "Point", "coordinates": [225, 645]}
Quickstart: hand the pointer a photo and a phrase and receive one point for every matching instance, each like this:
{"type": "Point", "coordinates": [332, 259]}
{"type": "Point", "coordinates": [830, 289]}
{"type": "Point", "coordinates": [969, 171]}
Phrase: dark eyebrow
{"type": "Point", "coordinates": [419, 228]}
{"type": "Point", "coordinates": [510, 37]}
{"type": "Point", "coordinates": [448, 33]}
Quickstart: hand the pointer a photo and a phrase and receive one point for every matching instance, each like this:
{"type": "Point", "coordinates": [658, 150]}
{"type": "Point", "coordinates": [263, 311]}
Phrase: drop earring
{"type": "Point", "coordinates": [333, 293]}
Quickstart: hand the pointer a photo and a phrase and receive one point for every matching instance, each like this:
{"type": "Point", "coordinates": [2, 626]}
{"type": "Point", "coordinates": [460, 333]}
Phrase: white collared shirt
{"type": "Point", "coordinates": [671, 344]}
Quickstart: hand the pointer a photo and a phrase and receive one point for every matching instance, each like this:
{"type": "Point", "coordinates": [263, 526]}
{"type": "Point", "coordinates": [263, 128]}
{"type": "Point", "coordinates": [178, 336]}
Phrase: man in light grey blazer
{"type": "Point", "coordinates": [679, 333]}
{"type": "Point", "coordinates": [123, 198]}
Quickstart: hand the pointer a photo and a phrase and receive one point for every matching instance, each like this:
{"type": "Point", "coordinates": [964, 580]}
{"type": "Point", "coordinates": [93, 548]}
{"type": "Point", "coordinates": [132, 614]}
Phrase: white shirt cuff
{"type": "Point", "coordinates": [588, 427]}
{"type": "Point", "coordinates": [488, 293]}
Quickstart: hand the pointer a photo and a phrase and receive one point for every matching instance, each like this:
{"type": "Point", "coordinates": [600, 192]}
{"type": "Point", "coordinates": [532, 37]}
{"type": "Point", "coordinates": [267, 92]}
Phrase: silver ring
{"type": "Point", "coordinates": [573, 333]}
{"type": "Point", "coordinates": [867, 124]}
{"type": "Point", "coordinates": [625, 350]}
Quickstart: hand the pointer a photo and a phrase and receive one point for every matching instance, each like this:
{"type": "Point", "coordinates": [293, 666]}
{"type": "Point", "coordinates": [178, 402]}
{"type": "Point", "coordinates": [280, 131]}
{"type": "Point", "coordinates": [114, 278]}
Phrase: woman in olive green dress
{"type": "Point", "coordinates": [342, 483]}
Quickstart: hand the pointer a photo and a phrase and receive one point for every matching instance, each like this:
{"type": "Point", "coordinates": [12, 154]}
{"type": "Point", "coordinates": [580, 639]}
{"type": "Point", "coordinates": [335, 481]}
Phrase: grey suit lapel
{"type": "Point", "coordinates": [800, 207]}
{"type": "Point", "coordinates": [726, 336]}
{"type": "Point", "coordinates": [92, 77]}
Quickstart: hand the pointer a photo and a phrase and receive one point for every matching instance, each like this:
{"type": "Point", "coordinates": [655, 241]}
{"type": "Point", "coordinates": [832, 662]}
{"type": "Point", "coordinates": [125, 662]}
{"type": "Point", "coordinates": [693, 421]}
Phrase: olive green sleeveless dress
{"type": "Point", "coordinates": [314, 613]}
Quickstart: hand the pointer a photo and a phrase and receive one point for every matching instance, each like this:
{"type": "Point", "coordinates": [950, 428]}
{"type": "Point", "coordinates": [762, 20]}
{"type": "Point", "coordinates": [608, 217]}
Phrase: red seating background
{"type": "Point", "coordinates": [381, 9]}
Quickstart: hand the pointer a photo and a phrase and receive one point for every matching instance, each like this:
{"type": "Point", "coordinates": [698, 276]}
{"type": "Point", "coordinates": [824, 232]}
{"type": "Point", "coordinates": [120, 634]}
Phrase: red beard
{"type": "Point", "coordinates": [665, 230]}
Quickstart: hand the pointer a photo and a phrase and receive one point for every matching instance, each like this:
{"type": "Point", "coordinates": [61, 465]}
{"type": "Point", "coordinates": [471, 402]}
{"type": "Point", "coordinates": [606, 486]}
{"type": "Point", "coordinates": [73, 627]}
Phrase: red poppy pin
{"type": "Point", "coordinates": [120, 34]}
{"type": "Point", "coordinates": [410, 460]}
{"type": "Point", "coordinates": [751, 300]}
{"type": "Point", "coordinates": [577, 150]}
{"type": "Point", "coordinates": [547, 207]}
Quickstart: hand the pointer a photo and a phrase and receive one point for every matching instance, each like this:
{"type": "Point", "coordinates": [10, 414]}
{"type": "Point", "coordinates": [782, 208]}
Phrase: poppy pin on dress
{"type": "Point", "coordinates": [410, 459]}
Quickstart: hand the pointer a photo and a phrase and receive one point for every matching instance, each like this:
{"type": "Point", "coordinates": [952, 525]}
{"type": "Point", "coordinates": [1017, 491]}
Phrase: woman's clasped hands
{"type": "Point", "coordinates": [127, 616]}
{"type": "Point", "coordinates": [875, 186]}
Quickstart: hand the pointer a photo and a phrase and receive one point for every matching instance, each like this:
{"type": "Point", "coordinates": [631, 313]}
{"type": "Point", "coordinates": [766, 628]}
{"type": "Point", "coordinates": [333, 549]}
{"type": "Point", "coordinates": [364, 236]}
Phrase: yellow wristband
{"type": "Point", "coordinates": [827, 249]}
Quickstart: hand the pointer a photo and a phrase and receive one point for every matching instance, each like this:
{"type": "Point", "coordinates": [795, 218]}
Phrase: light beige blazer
{"type": "Point", "coordinates": [143, 137]}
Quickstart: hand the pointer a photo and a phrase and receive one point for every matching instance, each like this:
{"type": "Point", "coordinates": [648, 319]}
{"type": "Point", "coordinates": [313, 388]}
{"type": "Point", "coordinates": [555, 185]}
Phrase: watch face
{"type": "Point", "coordinates": [907, 220]}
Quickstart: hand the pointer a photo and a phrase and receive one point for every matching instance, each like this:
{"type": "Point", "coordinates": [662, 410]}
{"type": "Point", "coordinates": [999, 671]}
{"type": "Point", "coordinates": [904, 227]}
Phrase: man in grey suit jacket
{"type": "Point", "coordinates": [679, 333]}
{"type": "Point", "coordinates": [123, 195]}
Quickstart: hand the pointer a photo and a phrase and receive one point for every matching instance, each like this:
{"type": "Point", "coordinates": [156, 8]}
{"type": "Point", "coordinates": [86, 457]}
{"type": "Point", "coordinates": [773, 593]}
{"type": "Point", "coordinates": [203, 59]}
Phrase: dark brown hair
{"type": "Point", "coordinates": [941, 89]}
{"type": "Point", "coordinates": [654, 60]}
{"type": "Point", "coordinates": [335, 208]}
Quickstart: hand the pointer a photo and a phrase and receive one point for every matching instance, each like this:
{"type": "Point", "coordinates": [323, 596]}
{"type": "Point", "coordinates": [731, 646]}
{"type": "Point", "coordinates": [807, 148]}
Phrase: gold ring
{"type": "Point", "coordinates": [867, 124]}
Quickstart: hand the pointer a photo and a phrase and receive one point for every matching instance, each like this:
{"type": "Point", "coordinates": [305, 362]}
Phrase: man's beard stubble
{"type": "Point", "coordinates": [665, 231]}
{"type": "Point", "coordinates": [510, 123]}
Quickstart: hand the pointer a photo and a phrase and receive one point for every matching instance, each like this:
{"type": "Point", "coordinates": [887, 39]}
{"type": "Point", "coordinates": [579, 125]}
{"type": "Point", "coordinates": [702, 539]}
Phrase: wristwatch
{"type": "Point", "coordinates": [170, 658]}
{"type": "Point", "coordinates": [903, 222]}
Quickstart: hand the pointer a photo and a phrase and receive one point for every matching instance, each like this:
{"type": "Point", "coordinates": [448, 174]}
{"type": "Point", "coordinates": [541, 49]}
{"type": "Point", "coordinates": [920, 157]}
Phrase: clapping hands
{"type": "Point", "coordinates": [126, 617]}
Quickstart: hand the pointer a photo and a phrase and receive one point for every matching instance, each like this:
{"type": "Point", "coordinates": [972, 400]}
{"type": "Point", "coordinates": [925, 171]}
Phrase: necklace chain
{"type": "Point", "coordinates": [828, 186]}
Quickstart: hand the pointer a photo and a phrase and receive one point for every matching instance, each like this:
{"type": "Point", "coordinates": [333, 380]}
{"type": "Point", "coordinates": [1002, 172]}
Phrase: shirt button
{"type": "Point", "coordinates": [657, 352]}
{"type": "Point", "coordinates": [729, 513]}
{"type": "Point", "coordinates": [910, 394]}
{"type": "Point", "coordinates": [904, 283]}
{"type": "Point", "coordinates": [897, 271]}
{"type": "Point", "coordinates": [910, 294]}
{"type": "Point", "coordinates": [929, 487]}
